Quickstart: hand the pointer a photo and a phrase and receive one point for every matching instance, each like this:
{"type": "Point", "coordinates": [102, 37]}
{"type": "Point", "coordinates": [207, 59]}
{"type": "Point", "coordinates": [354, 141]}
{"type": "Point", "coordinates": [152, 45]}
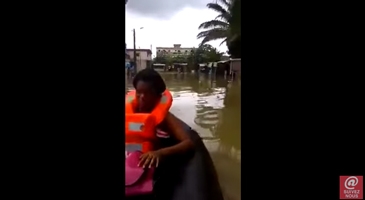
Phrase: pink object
{"type": "Point", "coordinates": [138, 180]}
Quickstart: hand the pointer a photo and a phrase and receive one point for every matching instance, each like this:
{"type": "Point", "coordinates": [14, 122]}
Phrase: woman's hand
{"type": "Point", "coordinates": [150, 159]}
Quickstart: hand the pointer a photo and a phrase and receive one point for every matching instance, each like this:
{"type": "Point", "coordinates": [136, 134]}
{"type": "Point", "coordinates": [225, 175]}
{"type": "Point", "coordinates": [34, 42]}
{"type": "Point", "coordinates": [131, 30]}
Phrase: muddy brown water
{"type": "Point", "coordinates": [212, 106]}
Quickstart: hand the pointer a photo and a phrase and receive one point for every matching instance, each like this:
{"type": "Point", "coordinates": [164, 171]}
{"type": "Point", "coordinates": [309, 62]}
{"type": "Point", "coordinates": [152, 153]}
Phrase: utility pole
{"type": "Point", "coordinates": [134, 51]}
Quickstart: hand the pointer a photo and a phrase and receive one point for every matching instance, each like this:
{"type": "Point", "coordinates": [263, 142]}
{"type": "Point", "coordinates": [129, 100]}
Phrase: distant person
{"type": "Point", "coordinates": [132, 69]}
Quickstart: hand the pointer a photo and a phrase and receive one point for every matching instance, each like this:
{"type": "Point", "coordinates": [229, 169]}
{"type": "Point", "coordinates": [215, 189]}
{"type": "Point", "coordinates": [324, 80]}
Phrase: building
{"type": "Point", "coordinates": [172, 51]}
{"type": "Point", "coordinates": [236, 66]}
{"type": "Point", "coordinates": [143, 58]}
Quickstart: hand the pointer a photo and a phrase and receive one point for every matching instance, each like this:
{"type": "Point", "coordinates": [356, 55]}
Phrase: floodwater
{"type": "Point", "coordinates": [212, 106]}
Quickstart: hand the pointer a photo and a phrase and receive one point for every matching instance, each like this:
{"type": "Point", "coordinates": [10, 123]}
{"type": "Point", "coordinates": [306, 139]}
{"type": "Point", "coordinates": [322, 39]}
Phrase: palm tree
{"type": "Point", "coordinates": [225, 26]}
{"type": "Point", "coordinates": [234, 43]}
{"type": "Point", "coordinates": [235, 22]}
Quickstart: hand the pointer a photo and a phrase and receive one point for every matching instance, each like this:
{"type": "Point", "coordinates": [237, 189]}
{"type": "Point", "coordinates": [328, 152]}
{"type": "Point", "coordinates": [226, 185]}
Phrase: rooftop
{"type": "Point", "coordinates": [187, 48]}
{"type": "Point", "coordinates": [139, 50]}
{"type": "Point", "coordinates": [175, 46]}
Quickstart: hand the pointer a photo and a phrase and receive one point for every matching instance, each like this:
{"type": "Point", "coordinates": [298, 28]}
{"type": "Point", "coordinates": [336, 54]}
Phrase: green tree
{"type": "Point", "coordinates": [179, 59]}
{"type": "Point", "coordinates": [160, 60]}
{"type": "Point", "coordinates": [210, 53]}
{"type": "Point", "coordinates": [169, 60]}
{"type": "Point", "coordinates": [205, 53]}
{"type": "Point", "coordinates": [225, 26]}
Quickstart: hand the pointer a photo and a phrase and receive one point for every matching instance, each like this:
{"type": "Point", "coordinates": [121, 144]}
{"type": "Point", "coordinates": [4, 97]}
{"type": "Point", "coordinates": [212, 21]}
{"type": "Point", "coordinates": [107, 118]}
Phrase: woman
{"type": "Point", "coordinates": [149, 87]}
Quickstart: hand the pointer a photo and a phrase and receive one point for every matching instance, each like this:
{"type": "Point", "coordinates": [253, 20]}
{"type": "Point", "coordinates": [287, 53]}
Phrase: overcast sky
{"type": "Point", "coordinates": [167, 22]}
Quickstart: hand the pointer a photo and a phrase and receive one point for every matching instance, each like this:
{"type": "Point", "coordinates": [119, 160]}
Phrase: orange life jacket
{"type": "Point", "coordinates": [140, 128]}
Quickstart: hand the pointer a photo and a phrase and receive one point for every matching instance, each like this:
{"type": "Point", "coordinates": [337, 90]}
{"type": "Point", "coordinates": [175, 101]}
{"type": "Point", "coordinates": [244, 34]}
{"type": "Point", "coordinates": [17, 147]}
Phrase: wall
{"type": "Point", "coordinates": [143, 59]}
{"type": "Point", "coordinates": [236, 65]}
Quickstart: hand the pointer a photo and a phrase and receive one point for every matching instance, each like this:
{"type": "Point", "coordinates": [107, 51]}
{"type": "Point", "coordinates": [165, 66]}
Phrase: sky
{"type": "Point", "coordinates": [167, 22]}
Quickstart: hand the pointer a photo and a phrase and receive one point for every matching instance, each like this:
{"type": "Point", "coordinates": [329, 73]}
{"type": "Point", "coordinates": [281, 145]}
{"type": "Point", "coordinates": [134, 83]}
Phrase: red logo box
{"type": "Point", "coordinates": [351, 187]}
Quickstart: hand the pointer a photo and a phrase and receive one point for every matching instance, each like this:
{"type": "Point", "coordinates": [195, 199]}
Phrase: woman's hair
{"type": "Point", "coordinates": [151, 77]}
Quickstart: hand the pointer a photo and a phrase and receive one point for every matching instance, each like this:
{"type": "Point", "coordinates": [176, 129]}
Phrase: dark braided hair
{"type": "Point", "coordinates": [151, 77]}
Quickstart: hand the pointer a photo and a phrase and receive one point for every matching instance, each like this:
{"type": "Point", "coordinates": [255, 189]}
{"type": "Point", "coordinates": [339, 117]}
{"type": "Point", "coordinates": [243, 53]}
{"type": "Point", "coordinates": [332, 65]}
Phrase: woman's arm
{"type": "Point", "coordinates": [178, 132]}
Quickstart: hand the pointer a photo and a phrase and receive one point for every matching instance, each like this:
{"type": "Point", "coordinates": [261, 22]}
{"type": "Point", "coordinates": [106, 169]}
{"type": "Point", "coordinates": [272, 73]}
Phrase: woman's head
{"type": "Point", "coordinates": [149, 87]}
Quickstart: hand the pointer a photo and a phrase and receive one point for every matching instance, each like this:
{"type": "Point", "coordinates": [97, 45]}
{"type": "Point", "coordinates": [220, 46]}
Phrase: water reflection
{"type": "Point", "coordinates": [211, 106]}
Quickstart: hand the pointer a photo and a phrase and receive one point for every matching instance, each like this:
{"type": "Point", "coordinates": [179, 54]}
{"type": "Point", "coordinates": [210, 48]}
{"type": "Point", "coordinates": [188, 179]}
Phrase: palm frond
{"type": "Point", "coordinates": [226, 3]}
{"type": "Point", "coordinates": [213, 24]}
{"type": "Point", "coordinates": [225, 17]}
{"type": "Point", "coordinates": [216, 7]}
{"type": "Point", "coordinates": [202, 34]}
{"type": "Point", "coordinates": [225, 40]}
{"type": "Point", "coordinates": [212, 34]}
{"type": "Point", "coordinates": [226, 26]}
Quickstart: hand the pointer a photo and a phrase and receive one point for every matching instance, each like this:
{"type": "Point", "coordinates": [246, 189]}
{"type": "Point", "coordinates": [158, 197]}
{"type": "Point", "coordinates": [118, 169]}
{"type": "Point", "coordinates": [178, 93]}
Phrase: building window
{"type": "Point", "coordinates": [178, 51]}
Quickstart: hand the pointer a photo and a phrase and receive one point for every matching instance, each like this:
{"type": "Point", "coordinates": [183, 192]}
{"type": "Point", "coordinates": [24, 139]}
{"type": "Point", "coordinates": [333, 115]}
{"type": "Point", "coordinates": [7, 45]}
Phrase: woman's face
{"type": "Point", "coordinates": [146, 96]}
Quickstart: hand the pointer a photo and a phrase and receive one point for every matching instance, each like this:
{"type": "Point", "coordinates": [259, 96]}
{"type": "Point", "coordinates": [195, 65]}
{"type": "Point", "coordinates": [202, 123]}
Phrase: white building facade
{"type": "Point", "coordinates": [173, 51]}
{"type": "Point", "coordinates": [143, 58]}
